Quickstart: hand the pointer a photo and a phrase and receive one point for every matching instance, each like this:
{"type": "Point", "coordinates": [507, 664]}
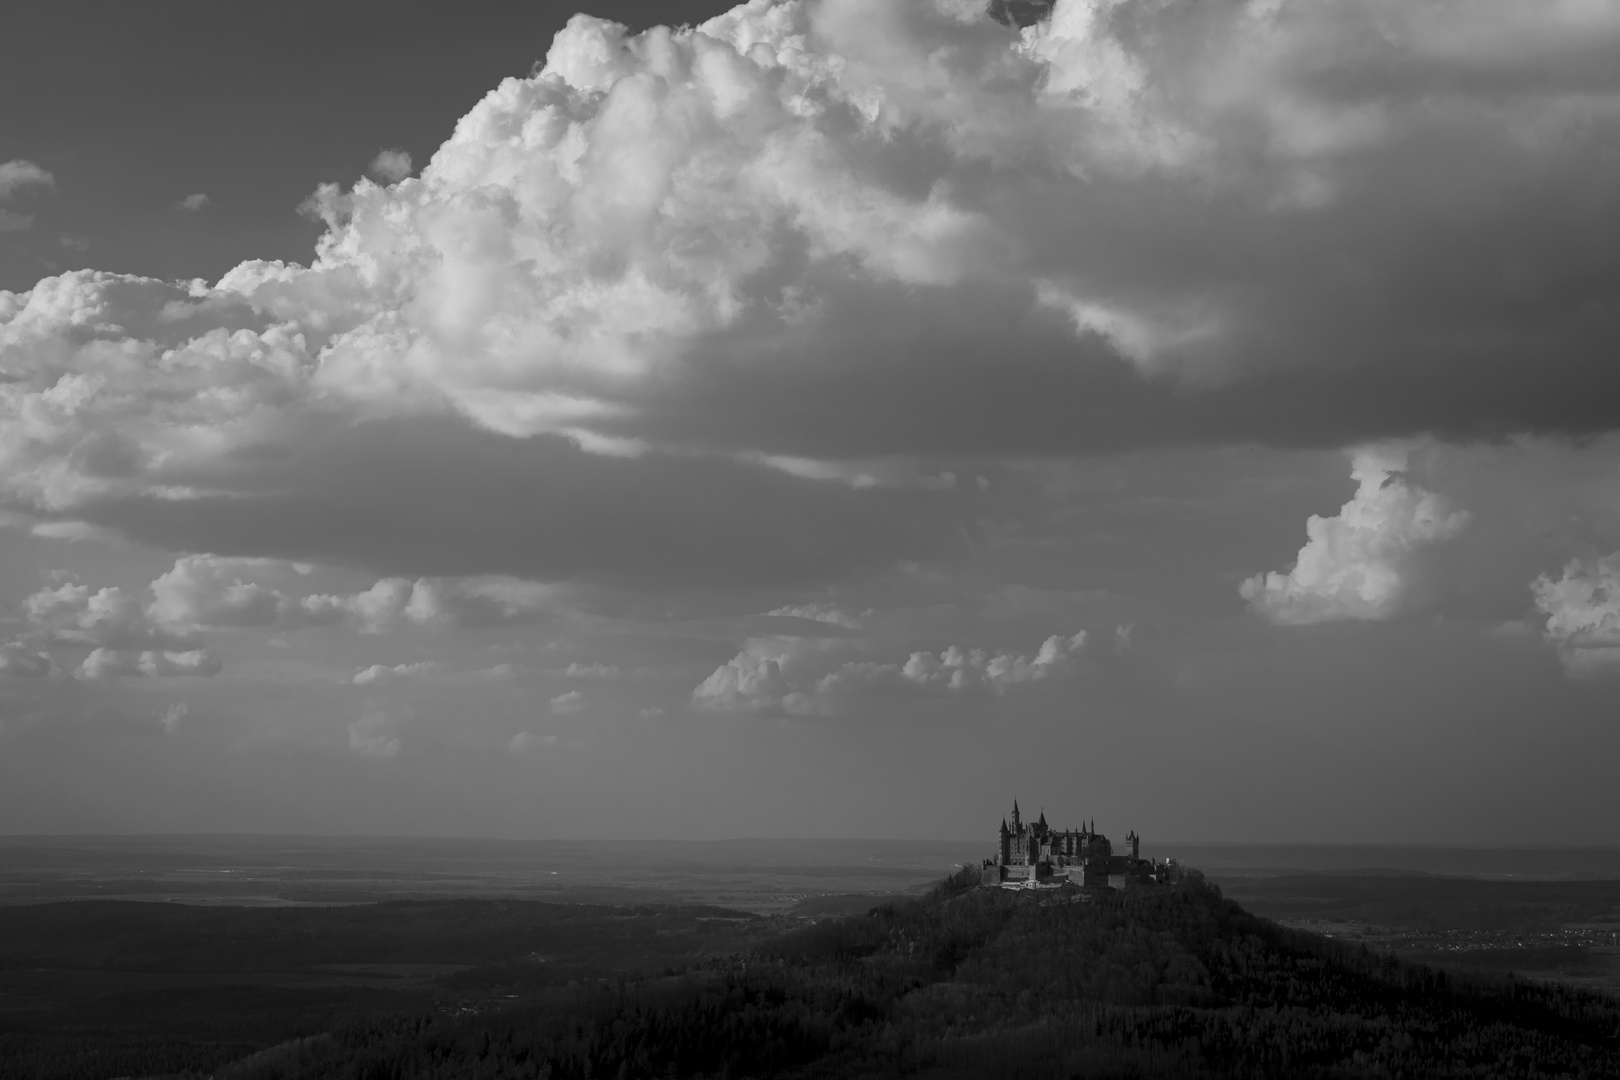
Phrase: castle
{"type": "Point", "coordinates": [1030, 854]}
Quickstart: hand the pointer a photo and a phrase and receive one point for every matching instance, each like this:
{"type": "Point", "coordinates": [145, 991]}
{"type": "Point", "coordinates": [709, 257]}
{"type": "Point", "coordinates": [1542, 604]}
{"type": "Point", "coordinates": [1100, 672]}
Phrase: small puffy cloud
{"type": "Point", "coordinates": [11, 221]}
{"type": "Point", "coordinates": [808, 676]}
{"type": "Point", "coordinates": [207, 591]}
{"type": "Point", "coordinates": [73, 614]}
{"type": "Point", "coordinates": [373, 736]}
{"type": "Point", "coordinates": [103, 663]}
{"type": "Point", "coordinates": [569, 703]}
{"type": "Point", "coordinates": [1367, 561]}
{"type": "Point", "coordinates": [193, 203]}
{"type": "Point", "coordinates": [381, 673]}
{"type": "Point", "coordinates": [650, 712]}
{"type": "Point", "coordinates": [171, 717]}
{"type": "Point", "coordinates": [203, 591]}
{"type": "Point", "coordinates": [391, 165]}
{"type": "Point", "coordinates": [206, 594]}
{"type": "Point", "coordinates": [74, 243]}
{"type": "Point", "coordinates": [18, 174]}
{"type": "Point", "coordinates": [1583, 615]}
{"type": "Point", "coordinates": [525, 741]}
{"type": "Point", "coordinates": [959, 670]}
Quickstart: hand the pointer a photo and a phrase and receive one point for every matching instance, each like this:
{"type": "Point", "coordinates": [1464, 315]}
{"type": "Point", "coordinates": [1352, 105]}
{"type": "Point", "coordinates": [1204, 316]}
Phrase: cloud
{"type": "Point", "coordinates": [18, 661]}
{"type": "Point", "coordinates": [206, 591]}
{"type": "Point", "coordinates": [11, 221]}
{"type": "Point", "coordinates": [959, 670]}
{"type": "Point", "coordinates": [193, 203]}
{"type": "Point", "coordinates": [171, 717]}
{"type": "Point", "coordinates": [207, 594]}
{"type": "Point", "coordinates": [810, 677]}
{"type": "Point", "coordinates": [18, 174]}
{"type": "Point", "coordinates": [72, 613]}
{"type": "Point", "coordinates": [103, 663]}
{"type": "Point", "coordinates": [373, 736]}
{"type": "Point", "coordinates": [525, 741]}
{"type": "Point", "coordinates": [1583, 615]}
{"type": "Point", "coordinates": [391, 165]}
{"type": "Point", "coordinates": [1368, 561]}
{"type": "Point", "coordinates": [210, 591]}
{"type": "Point", "coordinates": [657, 313]}
{"type": "Point", "coordinates": [824, 613]}
{"type": "Point", "coordinates": [576, 670]}
{"type": "Point", "coordinates": [568, 703]}
{"type": "Point", "coordinates": [381, 673]}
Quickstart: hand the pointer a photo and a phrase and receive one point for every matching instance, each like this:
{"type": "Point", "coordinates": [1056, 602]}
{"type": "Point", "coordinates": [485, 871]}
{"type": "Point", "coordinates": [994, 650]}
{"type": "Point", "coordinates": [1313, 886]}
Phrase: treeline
{"type": "Point", "coordinates": [968, 982]}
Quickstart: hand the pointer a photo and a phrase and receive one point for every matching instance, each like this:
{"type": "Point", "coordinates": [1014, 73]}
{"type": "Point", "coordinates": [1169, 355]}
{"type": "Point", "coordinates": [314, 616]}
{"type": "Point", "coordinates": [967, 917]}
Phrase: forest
{"type": "Point", "coordinates": [965, 982]}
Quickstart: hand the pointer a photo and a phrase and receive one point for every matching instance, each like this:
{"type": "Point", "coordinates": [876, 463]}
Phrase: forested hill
{"type": "Point", "coordinates": [974, 983]}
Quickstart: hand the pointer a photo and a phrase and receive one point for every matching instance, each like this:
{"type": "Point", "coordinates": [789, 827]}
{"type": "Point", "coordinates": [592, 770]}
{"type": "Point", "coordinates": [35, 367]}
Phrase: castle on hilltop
{"type": "Point", "coordinates": [1033, 853]}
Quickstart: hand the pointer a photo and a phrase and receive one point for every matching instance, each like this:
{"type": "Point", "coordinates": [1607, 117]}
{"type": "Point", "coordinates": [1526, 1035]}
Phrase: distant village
{"type": "Point", "coordinates": [1032, 855]}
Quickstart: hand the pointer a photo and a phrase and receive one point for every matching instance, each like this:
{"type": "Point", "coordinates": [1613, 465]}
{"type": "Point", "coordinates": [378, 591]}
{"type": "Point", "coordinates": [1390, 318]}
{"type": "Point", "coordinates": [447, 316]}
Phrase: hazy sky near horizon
{"type": "Point", "coordinates": [832, 418]}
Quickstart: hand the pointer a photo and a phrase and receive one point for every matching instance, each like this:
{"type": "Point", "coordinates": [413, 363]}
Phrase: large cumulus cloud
{"type": "Point", "coordinates": [707, 304]}
{"type": "Point", "coordinates": [1373, 559]}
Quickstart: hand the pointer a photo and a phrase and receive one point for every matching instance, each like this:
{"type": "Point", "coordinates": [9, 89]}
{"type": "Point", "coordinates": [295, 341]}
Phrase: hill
{"type": "Point", "coordinates": [969, 982]}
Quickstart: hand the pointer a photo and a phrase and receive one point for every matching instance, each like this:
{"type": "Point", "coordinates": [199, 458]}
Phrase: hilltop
{"type": "Point", "coordinates": [1155, 981]}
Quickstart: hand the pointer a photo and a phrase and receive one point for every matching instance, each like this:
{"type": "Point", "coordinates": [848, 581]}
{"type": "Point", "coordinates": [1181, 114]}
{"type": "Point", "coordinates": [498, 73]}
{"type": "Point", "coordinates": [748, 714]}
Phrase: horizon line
{"type": "Point", "coordinates": [458, 837]}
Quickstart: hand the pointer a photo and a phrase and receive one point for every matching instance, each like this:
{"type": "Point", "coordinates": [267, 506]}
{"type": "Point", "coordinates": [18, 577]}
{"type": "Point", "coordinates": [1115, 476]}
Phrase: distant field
{"type": "Point", "coordinates": [1563, 930]}
{"type": "Point", "coordinates": [755, 875]}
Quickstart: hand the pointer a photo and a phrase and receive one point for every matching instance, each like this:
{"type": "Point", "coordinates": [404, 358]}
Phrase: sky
{"type": "Point", "coordinates": [816, 419]}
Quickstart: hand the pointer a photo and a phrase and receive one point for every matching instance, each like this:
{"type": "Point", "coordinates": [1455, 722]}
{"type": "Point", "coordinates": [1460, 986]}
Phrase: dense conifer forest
{"type": "Point", "coordinates": [972, 982]}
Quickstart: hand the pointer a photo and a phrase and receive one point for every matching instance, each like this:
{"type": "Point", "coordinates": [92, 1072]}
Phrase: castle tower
{"type": "Point", "coordinates": [1004, 845]}
{"type": "Point", "coordinates": [1135, 844]}
{"type": "Point", "coordinates": [1015, 826]}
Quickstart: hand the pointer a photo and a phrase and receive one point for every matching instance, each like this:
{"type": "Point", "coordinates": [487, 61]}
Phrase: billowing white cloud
{"type": "Point", "coordinates": [17, 174]}
{"type": "Point", "coordinates": [194, 203]}
{"type": "Point", "coordinates": [759, 240]}
{"type": "Point", "coordinates": [1583, 614]}
{"type": "Point", "coordinates": [1367, 561]}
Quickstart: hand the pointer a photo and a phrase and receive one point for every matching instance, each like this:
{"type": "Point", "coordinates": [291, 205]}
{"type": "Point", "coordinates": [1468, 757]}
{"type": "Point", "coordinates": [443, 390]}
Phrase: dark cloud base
{"type": "Point", "coordinates": [439, 497]}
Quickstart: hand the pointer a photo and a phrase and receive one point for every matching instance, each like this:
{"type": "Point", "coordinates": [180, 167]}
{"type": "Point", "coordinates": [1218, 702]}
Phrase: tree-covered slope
{"type": "Point", "coordinates": [1173, 982]}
